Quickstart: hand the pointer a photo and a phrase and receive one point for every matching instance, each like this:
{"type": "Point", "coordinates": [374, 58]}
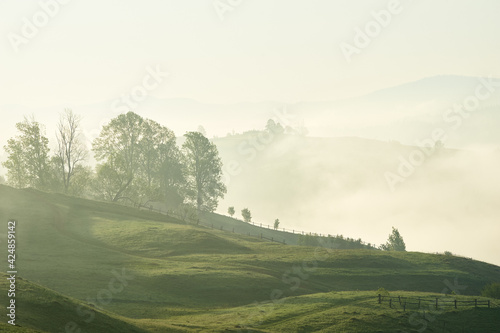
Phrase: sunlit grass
{"type": "Point", "coordinates": [187, 277]}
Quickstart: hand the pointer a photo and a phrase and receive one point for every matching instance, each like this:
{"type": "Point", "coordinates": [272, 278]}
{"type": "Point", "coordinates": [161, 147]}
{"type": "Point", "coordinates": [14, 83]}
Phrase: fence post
{"type": "Point", "coordinates": [419, 302]}
{"type": "Point", "coordinates": [260, 235]}
{"type": "Point", "coordinates": [390, 303]}
{"type": "Point", "coordinates": [399, 297]}
{"type": "Point", "coordinates": [379, 299]}
{"type": "Point", "coordinates": [455, 304]}
{"type": "Point", "coordinates": [437, 300]}
{"type": "Point", "coordinates": [475, 302]}
{"type": "Point", "coordinates": [272, 239]}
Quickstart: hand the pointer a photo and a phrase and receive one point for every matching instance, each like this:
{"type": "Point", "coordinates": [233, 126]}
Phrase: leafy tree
{"type": "Point", "coordinates": [276, 224]}
{"type": "Point", "coordinates": [395, 242]}
{"type": "Point", "coordinates": [203, 170]}
{"type": "Point", "coordinates": [70, 148]}
{"type": "Point", "coordinates": [247, 215]}
{"type": "Point", "coordinates": [231, 211]}
{"type": "Point", "coordinates": [118, 150]}
{"type": "Point", "coordinates": [202, 130]}
{"type": "Point", "coordinates": [438, 145]}
{"type": "Point", "coordinates": [274, 127]}
{"type": "Point", "coordinates": [160, 174]}
{"type": "Point", "coordinates": [491, 290]}
{"type": "Point", "coordinates": [139, 161]}
{"type": "Point", "coordinates": [187, 212]}
{"type": "Point", "coordinates": [27, 163]}
{"type": "Point", "coordinates": [82, 181]}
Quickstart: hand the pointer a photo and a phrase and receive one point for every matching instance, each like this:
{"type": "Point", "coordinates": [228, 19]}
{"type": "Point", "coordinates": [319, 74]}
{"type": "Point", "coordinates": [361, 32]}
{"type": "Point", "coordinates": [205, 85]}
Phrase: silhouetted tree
{"type": "Point", "coordinates": [274, 127]}
{"type": "Point", "coordinates": [491, 290]}
{"type": "Point", "coordinates": [231, 211]}
{"type": "Point", "coordinates": [247, 215]}
{"type": "Point", "coordinates": [395, 242]}
{"type": "Point", "coordinates": [70, 148]}
{"type": "Point", "coordinates": [203, 170]}
{"type": "Point", "coordinates": [28, 156]}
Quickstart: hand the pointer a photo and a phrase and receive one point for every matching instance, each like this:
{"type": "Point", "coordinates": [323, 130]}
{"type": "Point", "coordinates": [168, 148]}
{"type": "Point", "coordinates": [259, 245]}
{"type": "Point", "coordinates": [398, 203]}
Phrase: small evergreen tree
{"type": "Point", "coordinates": [395, 242]}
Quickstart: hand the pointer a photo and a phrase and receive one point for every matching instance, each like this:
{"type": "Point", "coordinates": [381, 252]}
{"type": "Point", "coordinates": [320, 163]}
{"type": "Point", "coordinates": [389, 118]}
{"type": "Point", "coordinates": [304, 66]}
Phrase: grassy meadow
{"type": "Point", "coordinates": [111, 268]}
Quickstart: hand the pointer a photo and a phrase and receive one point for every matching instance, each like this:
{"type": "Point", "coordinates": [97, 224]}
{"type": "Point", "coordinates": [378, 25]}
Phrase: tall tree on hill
{"type": "Point", "coordinates": [247, 215]}
{"type": "Point", "coordinates": [274, 127]}
{"type": "Point", "coordinates": [395, 242]}
{"type": "Point", "coordinates": [70, 148]}
{"type": "Point", "coordinates": [118, 151]}
{"type": "Point", "coordinates": [203, 168]}
{"type": "Point", "coordinates": [139, 161]}
{"type": "Point", "coordinates": [27, 163]}
{"type": "Point", "coordinates": [160, 175]}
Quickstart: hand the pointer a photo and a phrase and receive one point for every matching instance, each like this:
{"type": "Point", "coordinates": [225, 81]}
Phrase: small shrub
{"type": "Point", "coordinates": [448, 253]}
{"type": "Point", "coordinates": [492, 291]}
{"type": "Point", "coordinates": [383, 292]}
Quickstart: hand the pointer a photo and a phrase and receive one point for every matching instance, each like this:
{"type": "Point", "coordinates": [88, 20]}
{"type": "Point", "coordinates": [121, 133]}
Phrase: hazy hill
{"type": "Point", "coordinates": [176, 274]}
{"type": "Point", "coordinates": [404, 113]}
{"type": "Point", "coordinates": [339, 186]}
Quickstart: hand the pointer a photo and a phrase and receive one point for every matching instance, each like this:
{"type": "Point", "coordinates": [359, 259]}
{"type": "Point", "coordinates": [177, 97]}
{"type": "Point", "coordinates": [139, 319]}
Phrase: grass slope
{"type": "Point", "coordinates": [39, 309]}
{"type": "Point", "coordinates": [173, 271]}
{"type": "Point", "coordinates": [347, 312]}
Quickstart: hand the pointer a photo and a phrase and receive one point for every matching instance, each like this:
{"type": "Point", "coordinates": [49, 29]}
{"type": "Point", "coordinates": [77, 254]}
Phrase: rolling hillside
{"type": "Point", "coordinates": [173, 275]}
{"type": "Point", "coordinates": [339, 186]}
{"type": "Point", "coordinates": [48, 311]}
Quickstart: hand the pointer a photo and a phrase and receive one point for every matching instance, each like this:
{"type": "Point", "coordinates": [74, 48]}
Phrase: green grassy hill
{"type": "Point", "coordinates": [288, 237]}
{"type": "Point", "coordinates": [43, 310]}
{"type": "Point", "coordinates": [160, 274]}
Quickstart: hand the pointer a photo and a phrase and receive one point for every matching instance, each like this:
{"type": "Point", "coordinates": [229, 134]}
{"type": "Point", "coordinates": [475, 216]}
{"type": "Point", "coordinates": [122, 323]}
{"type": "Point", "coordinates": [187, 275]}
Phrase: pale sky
{"type": "Point", "coordinates": [281, 50]}
{"type": "Point", "coordinates": [89, 52]}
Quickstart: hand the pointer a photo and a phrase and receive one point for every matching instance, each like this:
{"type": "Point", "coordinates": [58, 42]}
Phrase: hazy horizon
{"type": "Point", "coordinates": [186, 64]}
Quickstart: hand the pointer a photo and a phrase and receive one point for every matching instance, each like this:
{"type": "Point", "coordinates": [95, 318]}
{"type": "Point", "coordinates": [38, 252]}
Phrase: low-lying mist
{"type": "Point", "coordinates": [441, 201]}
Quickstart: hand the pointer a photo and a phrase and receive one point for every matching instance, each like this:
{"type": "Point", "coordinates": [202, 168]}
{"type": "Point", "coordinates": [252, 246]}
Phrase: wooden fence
{"type": "Point", "coordinates": [197, 221]}
{"type": "Point", "coordinates": [234, 231]}
{"type": "Point", "coordinates": [418, 302]}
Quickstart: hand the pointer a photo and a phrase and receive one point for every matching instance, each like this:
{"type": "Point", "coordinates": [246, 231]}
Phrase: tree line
{"type": "Point", "coordinates": [138, 161]}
